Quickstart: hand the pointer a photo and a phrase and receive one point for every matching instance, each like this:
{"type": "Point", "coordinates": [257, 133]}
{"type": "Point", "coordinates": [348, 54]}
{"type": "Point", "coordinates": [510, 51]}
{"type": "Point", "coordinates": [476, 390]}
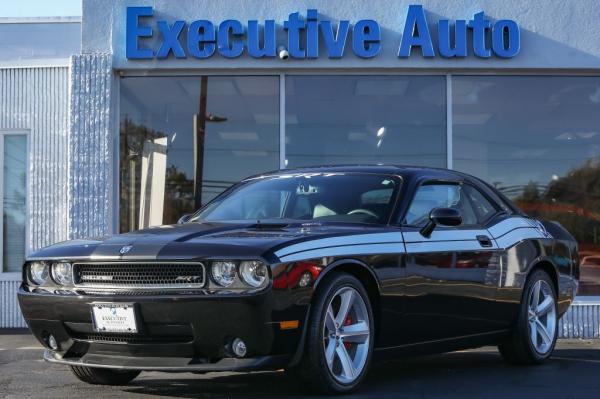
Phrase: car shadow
{"type": "Point", "coordinates": [457, 374]}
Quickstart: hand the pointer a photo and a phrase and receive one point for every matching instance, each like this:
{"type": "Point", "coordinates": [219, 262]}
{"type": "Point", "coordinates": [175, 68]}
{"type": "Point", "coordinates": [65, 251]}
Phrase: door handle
{"type": "Point", "coordinates": [484, 241]}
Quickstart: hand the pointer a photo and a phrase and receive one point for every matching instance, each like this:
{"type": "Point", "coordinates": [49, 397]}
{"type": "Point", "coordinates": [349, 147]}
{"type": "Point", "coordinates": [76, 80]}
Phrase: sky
{"type": "Point", "coordinates": [40, 8]}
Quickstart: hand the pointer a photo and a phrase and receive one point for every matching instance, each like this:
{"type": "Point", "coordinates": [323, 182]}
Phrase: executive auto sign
{"type": "Point", "coordinates": [202, 39]}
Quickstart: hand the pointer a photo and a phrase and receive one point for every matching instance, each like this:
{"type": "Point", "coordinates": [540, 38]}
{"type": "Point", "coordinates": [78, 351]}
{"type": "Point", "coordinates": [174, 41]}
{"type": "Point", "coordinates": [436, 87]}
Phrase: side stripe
{"type": "Point", "coordinates": [445, 246]}
{"type": "Point", "coordinates": [362, 249]}
{"type": "Point", "coordinates": [359, 239]}
{"type": "Point", "coordinates": [445, 235]}
{"type": "Point", "coordinates": [515, 236]}
{"type": "Point", "coordinates": [504, 235]}
{"type": "Point", "coordinates": [510, 224]}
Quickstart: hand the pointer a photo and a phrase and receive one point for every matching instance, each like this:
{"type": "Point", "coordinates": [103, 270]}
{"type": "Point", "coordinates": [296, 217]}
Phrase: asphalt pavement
{"type": "Point", "coordinates": [573, 372]}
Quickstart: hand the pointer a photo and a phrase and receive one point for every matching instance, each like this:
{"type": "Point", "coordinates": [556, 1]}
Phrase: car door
{"type": "Point", "coordinates": [451, 276]}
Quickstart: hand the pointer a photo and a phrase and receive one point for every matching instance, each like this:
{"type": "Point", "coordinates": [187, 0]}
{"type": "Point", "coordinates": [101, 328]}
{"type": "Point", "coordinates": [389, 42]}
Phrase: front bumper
{"type": "Point", "coordinates": [170, 364]}
{"type": "Point", "coordinates": [178, 332]}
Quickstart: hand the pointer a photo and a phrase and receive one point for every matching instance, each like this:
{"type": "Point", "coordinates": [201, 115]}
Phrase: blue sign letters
{"type": "Point", "coordinates": [231, 38]}
{"type": "Point", "coordinates": [135, 31]}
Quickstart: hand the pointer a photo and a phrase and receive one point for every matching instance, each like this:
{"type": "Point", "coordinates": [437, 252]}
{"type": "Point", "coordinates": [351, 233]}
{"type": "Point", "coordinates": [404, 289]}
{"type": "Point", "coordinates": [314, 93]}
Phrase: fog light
{"type": "Point", "coordinates": [52, 342]}
{"type": "Point", "coordinates": [239, 347]}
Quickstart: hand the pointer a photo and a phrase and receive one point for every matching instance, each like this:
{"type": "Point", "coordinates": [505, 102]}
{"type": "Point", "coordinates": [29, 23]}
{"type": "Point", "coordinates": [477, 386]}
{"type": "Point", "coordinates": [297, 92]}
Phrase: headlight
{"type": "Point", "coordinates": [38, 272]}
{"type": "Point", "coordinates": [62, 273]}
{"type": "Point", "coordinates": [254, 273]}
{"type": "Point", "coordinates": [223, 273]}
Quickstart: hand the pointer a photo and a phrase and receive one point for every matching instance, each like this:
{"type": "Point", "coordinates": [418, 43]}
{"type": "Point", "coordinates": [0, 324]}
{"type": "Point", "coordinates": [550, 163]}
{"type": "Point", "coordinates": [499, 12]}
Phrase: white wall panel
{"type": "Point", "coordinates": [582, 320]}
{"type": "Point", "coordinates": [36, 100]}
{"type": "Point", "coordinates": [10, 316]}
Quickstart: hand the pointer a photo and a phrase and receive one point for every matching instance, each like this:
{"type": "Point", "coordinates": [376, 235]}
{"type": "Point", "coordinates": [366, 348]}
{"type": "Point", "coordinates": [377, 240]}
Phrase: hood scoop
{"type": "Point", "coordinates": [257, 234]}
{"type": "Point", "coordinates": [268, 226]}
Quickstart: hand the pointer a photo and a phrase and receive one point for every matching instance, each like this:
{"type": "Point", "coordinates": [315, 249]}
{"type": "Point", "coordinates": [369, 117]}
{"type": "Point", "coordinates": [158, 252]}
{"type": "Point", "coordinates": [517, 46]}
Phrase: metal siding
{"type": "Point", "coordinates": [36, 100]}
{"type": "Point", "coordinates": [90, 171]}
{"type": "Point", "coordinates": [582, 320]}
{"type": "Point", "coordinates": [10, 316]}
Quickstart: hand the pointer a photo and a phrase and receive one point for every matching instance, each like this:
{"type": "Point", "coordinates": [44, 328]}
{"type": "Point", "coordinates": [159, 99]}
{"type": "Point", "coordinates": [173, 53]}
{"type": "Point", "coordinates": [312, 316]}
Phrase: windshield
{"type": "Point", "coordinates": [323, 197]}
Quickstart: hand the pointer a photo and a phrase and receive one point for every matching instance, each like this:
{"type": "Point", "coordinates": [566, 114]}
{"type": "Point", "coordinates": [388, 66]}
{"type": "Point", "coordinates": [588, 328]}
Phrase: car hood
{"type": "Point", "coordinates": [207, 240]}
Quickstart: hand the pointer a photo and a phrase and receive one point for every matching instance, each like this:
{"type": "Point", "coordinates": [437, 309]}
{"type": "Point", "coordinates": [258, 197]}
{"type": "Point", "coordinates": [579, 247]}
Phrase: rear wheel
{"type": "Point", "coordinates": [533, 339]}
{"type": "Point", "coordinates": [98, 376]}
{"type": "Point", "coordinates": [339, 340]}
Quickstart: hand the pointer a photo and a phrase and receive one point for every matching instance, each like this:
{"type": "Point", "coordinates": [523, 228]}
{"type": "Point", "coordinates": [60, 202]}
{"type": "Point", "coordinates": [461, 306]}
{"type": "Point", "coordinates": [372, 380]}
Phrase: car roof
{"type": "Point", "coordinates": [402, 170]}
{"type": "Point", "coordinates": [408, 172]}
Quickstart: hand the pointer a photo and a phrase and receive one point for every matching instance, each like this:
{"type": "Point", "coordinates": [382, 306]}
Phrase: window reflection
{"type": "Point", "coordinates": [365, 120]}
{"type": "Point", "coordinates": [186, 139]}
{"type": "Point", "coordinates": [14, 202]}
{"type": "Point", "coordinates": [537, 138]}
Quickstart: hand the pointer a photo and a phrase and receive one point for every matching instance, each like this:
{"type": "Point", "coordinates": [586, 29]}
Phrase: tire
{"type": "Point", "coordinates": [356, 342]}
{"type": "Point", "coordinates": [520, 348]}
{"type": "Point", "coordinates": [99, 376]}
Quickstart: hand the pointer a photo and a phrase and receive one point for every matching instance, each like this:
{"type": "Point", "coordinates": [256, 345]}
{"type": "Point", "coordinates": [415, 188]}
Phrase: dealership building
{"type": "Point", "coordinates": [141, 111]}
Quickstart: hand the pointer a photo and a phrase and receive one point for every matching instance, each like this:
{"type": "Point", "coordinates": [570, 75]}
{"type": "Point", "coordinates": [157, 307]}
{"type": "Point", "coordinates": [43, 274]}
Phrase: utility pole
{"type": "Point", "coordinates": [199, 136]}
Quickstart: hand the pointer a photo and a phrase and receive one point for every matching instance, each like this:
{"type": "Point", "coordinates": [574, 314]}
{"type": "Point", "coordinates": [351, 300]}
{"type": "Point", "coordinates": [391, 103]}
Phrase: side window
{"type": "Point", "coordinates": [441, 195]}
{"type": "Point", "coordinates": [483, 208]}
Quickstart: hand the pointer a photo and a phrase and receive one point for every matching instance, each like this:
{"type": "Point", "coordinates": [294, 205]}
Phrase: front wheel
{"type": "Point", "coordinates": [339, 341]}
{"type": "Point", "coordinates": [533, 338]}
{"type": "Point", "coordinates": [99, 376]}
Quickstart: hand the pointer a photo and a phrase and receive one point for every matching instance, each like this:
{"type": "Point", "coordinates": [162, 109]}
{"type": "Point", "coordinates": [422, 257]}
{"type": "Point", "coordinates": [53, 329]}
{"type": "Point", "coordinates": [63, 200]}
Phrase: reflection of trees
{"type": "Point", "coordinates": [179, 197]}
{"type": "Point", "coordinates": [530, 193]}
{"type": "Point", "coordinates": [179, 188]}
{"type": "Point", "coordinates": [572, 200]}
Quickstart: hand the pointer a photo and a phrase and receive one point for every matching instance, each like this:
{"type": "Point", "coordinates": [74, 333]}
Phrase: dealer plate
{"type": "Point", "coordinates": [116, 318]}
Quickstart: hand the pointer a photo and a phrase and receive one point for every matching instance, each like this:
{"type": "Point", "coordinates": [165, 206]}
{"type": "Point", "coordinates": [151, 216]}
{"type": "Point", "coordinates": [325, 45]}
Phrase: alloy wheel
{"type": "Point", "coordinates": [346, 335]}
{"type": "Point", "coordinates": [541, 317]}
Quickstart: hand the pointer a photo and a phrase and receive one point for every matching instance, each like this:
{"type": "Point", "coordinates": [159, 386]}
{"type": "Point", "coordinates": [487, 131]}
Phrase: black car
{"type": "Point", "coordinates": [317, 271]}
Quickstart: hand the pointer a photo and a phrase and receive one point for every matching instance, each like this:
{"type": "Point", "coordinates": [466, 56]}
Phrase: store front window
{"type": "Point", "coordinates": [13, 186]}
{"type": "Point", "coordinates": [537, 138]}
{"type": "Point", "coordinates": [183, 140]}
{"type": "Point", "coordinates": [365, 120]}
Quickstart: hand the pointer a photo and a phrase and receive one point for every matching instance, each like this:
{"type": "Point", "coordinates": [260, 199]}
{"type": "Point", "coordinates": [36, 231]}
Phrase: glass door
{"type": "Point", "coordinates": [13, 189]}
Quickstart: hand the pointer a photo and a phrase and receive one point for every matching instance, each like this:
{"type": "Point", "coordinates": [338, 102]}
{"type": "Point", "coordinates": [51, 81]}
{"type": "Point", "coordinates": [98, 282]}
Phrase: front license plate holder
{"type": "Point", "coordinates": [114, 318]}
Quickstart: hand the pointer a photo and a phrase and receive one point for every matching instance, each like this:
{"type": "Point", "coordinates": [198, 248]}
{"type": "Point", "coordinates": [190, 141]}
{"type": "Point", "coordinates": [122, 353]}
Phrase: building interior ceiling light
{"type": "Point", "coordinates": [242, 136]}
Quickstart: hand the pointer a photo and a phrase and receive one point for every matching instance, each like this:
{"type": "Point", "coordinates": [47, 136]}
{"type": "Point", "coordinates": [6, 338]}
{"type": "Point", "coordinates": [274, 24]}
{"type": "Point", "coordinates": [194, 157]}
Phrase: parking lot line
{"type": "Point", "coordinates": [23, 348]}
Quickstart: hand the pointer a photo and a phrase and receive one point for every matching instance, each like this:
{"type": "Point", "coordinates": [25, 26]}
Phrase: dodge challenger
{"type": "Point", "coordinates": [318, 271]}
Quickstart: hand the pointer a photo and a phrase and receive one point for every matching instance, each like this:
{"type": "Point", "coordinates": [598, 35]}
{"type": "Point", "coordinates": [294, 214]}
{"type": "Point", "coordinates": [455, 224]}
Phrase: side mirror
{"type": "Point", "coordinates": [185, 218]}
{"type": "Point", "coordinates": [442, 217]}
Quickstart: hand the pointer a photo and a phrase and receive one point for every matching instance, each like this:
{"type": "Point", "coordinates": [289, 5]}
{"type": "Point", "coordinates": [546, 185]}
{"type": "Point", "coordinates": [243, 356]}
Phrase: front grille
{"type": "Point", "coordinates": [145, 292]}
{"type": "Point", "coordinates": [131, 338]}
{"type": "Point", "coordinates": [139, 275]}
